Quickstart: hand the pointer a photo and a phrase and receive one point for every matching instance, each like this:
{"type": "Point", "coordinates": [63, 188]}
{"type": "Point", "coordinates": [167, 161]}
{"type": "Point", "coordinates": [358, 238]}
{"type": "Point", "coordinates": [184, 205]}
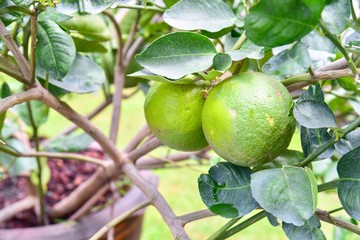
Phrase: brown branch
{"type": "Point", "coordinates": [194, 216]}
{"type": "Point", "coordinates": [20, 59]}
{"type": "Point", "coordinates": [118, 219]}
{"type": "Point", "coordinates": [81, 121]}
{"type": "Point", "coordinates": [119, 81]}
{"type": "Point", "coordinates": [11, 69]}
{"type": "Point", "coordinates": [136, 140]}
{"type": "Point", "coordinates": [89, 204]}
{"type": "Point", "coordinates": [144, 149]}
{"type": "Point", "coordinates": [89, 116]}
{"type": "Point", "coordinates": [158, 201]}
{"type": "Point", "coordinates": [153, 162]}
{"type": "Point", "coordinates": [10, 211]}
{"type": "Point", "coordinates": [28, 95]}
{"type": "Point", "coordinates": [326, 217]}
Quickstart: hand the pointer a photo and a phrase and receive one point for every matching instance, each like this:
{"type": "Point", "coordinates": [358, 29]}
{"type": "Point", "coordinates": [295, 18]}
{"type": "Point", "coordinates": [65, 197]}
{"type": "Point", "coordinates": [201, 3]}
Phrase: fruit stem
{"type": "Point", "coordinates": [239, 42]}
{"type": "Point", "coordinates": [322, 148]}
{"type": "Point", "coordinates": [223, 229]}
{"type": "Point", "coordinates": [337, 43]}
{"type": "Point", "coordinates": [257, 217]}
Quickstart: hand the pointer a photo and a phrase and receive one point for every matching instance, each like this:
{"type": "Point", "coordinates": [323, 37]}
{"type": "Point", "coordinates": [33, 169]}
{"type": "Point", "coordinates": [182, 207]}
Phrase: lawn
{"type": "Point", "coordinates": [179, 186]}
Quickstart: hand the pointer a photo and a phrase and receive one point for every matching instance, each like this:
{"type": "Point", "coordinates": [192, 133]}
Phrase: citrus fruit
{"type": "Point", "coordinates": [247, 119]}
{"type": "Point", "coordinates": [173, 113]}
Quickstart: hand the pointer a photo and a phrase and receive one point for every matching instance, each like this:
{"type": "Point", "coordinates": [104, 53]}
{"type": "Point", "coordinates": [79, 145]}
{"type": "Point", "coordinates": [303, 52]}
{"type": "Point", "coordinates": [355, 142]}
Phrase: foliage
{"type": "Point", "coordinates": [309, 46]}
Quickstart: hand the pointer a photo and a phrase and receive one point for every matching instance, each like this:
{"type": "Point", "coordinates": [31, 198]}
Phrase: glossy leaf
{"type": "Point", "coordinates": [222, 62]}
{"type": "Point", "coordinates": [75, 7]}
{"type": "Point", "coordinates": [56, 49]}
{"type": "Point", "coordinates": [349, 185]}
{"type": "Point", "coordinates": [83, 45]}
{"type": "Point", "coordinates": [353, 42]}
{"type": "Point", "coordinates": [69, 143]}
{"type": "Point", "coordinates": [53, 15]}
{"type": "Point", "coordinates": [17, 165]}
{"type": "Point", "coordinates": [272, 24]}
{"type": "Point", "coordinates": [226, 190]}
{"type": "Point", "coordinates": [178, 54]}
{"type": "Point", "coordinates": [91, 27]}
{"type": "Point", "coordinates": [336, 15]}
{"type": "Point", "coordinates": [211, 16]}
{"type": "Point", "coordinates": [84, 76]}
{"type": "Point", "coordinates": [292, 61]}
{"type": "Point", "coordinates": [314, 92]}
{"type": "Point", "coordinates": [247, 50]}
{"type": "Point", "coordinates": [309, 231]}
{"type": "Point", "coordinates": [349, 142]}
{"type": "Point", "coordinates": [288, 157]}
{"type": "Point", "coordinates": [289, 194]}
{"type": "Point", "coordinates": [314, 114]}
{"type": "Point", "coordinates": [5, 92]}
{"type": "Point", "coordinates": [146, 74]}
{"type": "Point", "coordinates": [311, 139]}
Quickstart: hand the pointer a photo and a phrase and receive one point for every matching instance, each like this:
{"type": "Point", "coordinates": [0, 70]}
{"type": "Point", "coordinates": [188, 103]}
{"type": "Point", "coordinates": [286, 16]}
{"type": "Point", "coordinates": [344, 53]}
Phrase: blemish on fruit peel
{"type": "Point", "coordinates": [233, 112]}
{"type": "Point", "coordinates": [270, 120]}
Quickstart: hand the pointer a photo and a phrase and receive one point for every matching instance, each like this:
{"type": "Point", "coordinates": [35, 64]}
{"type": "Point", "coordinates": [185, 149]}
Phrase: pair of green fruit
{"type": "Point", "coordinates": [246, 119]}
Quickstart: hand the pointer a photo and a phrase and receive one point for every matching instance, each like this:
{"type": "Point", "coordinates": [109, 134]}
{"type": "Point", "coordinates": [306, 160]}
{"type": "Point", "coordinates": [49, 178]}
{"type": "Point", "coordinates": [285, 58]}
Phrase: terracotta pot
{"type": "Point", "coordinates": [129, 229]}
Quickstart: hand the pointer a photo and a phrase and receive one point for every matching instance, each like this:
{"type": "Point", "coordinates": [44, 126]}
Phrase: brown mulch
{"type": "Point", "coordinates": [66, 175]}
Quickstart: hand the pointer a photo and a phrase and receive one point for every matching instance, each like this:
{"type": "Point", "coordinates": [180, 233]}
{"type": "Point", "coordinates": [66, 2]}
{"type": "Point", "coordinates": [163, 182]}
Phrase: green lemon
{"type": "Point", "coordinates": [173, 113]}
{"type": "Point", "coordinates": [247, 119]}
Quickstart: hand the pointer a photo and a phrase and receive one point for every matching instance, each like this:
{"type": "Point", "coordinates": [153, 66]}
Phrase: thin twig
{"type": "Point", "coordinates": [10, 211]}
{"type": "Point", "coordinates": [144, 149]}
{"type": "Point", "coordinates": [141, 7]}
{"type": "Point", "coordinates": [158, 201]}
{"type": "Point", "coordinates": [326, 217]}
{"type": "Point", "coordinates": [10, 43]}
{"type": "Point", "coordinates": [137, 139]}
{"type": "Point", "coordinates": [194, 216]}
{"type": "Point", "coordinates": [119, 81]}
{"type": "Point", "coordinates": [89, 204]}
{"type": "Point", "coordinates": [118, 219]}
{"type": "Point", "coordinates": [34, 31]}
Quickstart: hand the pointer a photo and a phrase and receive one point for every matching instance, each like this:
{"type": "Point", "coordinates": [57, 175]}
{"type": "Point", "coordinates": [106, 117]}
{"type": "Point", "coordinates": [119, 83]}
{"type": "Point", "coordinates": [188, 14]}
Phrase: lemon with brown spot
{"type": "Point", "coordinates": [247, 119]}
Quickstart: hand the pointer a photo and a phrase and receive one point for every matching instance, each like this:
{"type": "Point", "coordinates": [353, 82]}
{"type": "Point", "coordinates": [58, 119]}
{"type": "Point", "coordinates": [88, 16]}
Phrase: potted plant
{"type": "Point", "coordinates": [234, 77]}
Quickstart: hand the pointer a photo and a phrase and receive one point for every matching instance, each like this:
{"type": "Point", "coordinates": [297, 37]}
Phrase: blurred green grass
{"type": "Point", "coordinates": [179, 186]}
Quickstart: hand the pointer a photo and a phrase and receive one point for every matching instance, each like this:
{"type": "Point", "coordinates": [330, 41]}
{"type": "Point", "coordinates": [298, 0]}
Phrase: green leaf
{"type": "Point", "coordinates": [69, 143]}
{"type": "Point", "coordinates": [288, 157]}
{"type": "Point", "coordinates": [272, 24]}
{"type": "Point", "coordinates": [309, 231]}
{"type": "Point", "coordinates": [289, 194]}
{"type": "Point", "coordinates": [17, 165]}
{"type": "Point", "coordinates": [91, 27]}
{"type": "Point", "coordinates": [56, 49]}
{"type": "Point", "coordinates": [178, 54]}
{"type": "Point", "coordinates": [211, 16]}
{"type": "Point", "coordinates": [5, 92]}
{"type": "Point", "coordinates": [146, 74]}
{"type": "Point", "coordinates": [247, 50]}
{"type": "Point", "coordinates": [53, 15]}
{"type": "Point", "coordinates": [40, 113]}
{"type": "Point", "coordinates": [222, 62]}
{"type": "Point", "coordinates": [348, 83]}
{"type": "Point", "coordinates": [314, 114]}
{"type": "Point", "coordinates": [226, 190]}
{"type": "Point", "coordinates": [74, 7]}
{"type": "Point", "coordinates": [336, 15]}
{"type": "Point", "coordinates": [349, 185]}
{"type": "Point", "coordinates": [352, 42]}
{"type": "Point", "coordinates": [272, 220]}
{"type": "Point", "coordinates": [292, 61]}
{"type": "Point", "coordinates": [84, 76]}
{"type": "Point", "coordinates": [83, 45]}
{"type": "Point", "coordinates": [311, 139]}
{"type": "Point", "coordinates": [349, 142]}
{"type": "Point", "coordinates": [314, 92]}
